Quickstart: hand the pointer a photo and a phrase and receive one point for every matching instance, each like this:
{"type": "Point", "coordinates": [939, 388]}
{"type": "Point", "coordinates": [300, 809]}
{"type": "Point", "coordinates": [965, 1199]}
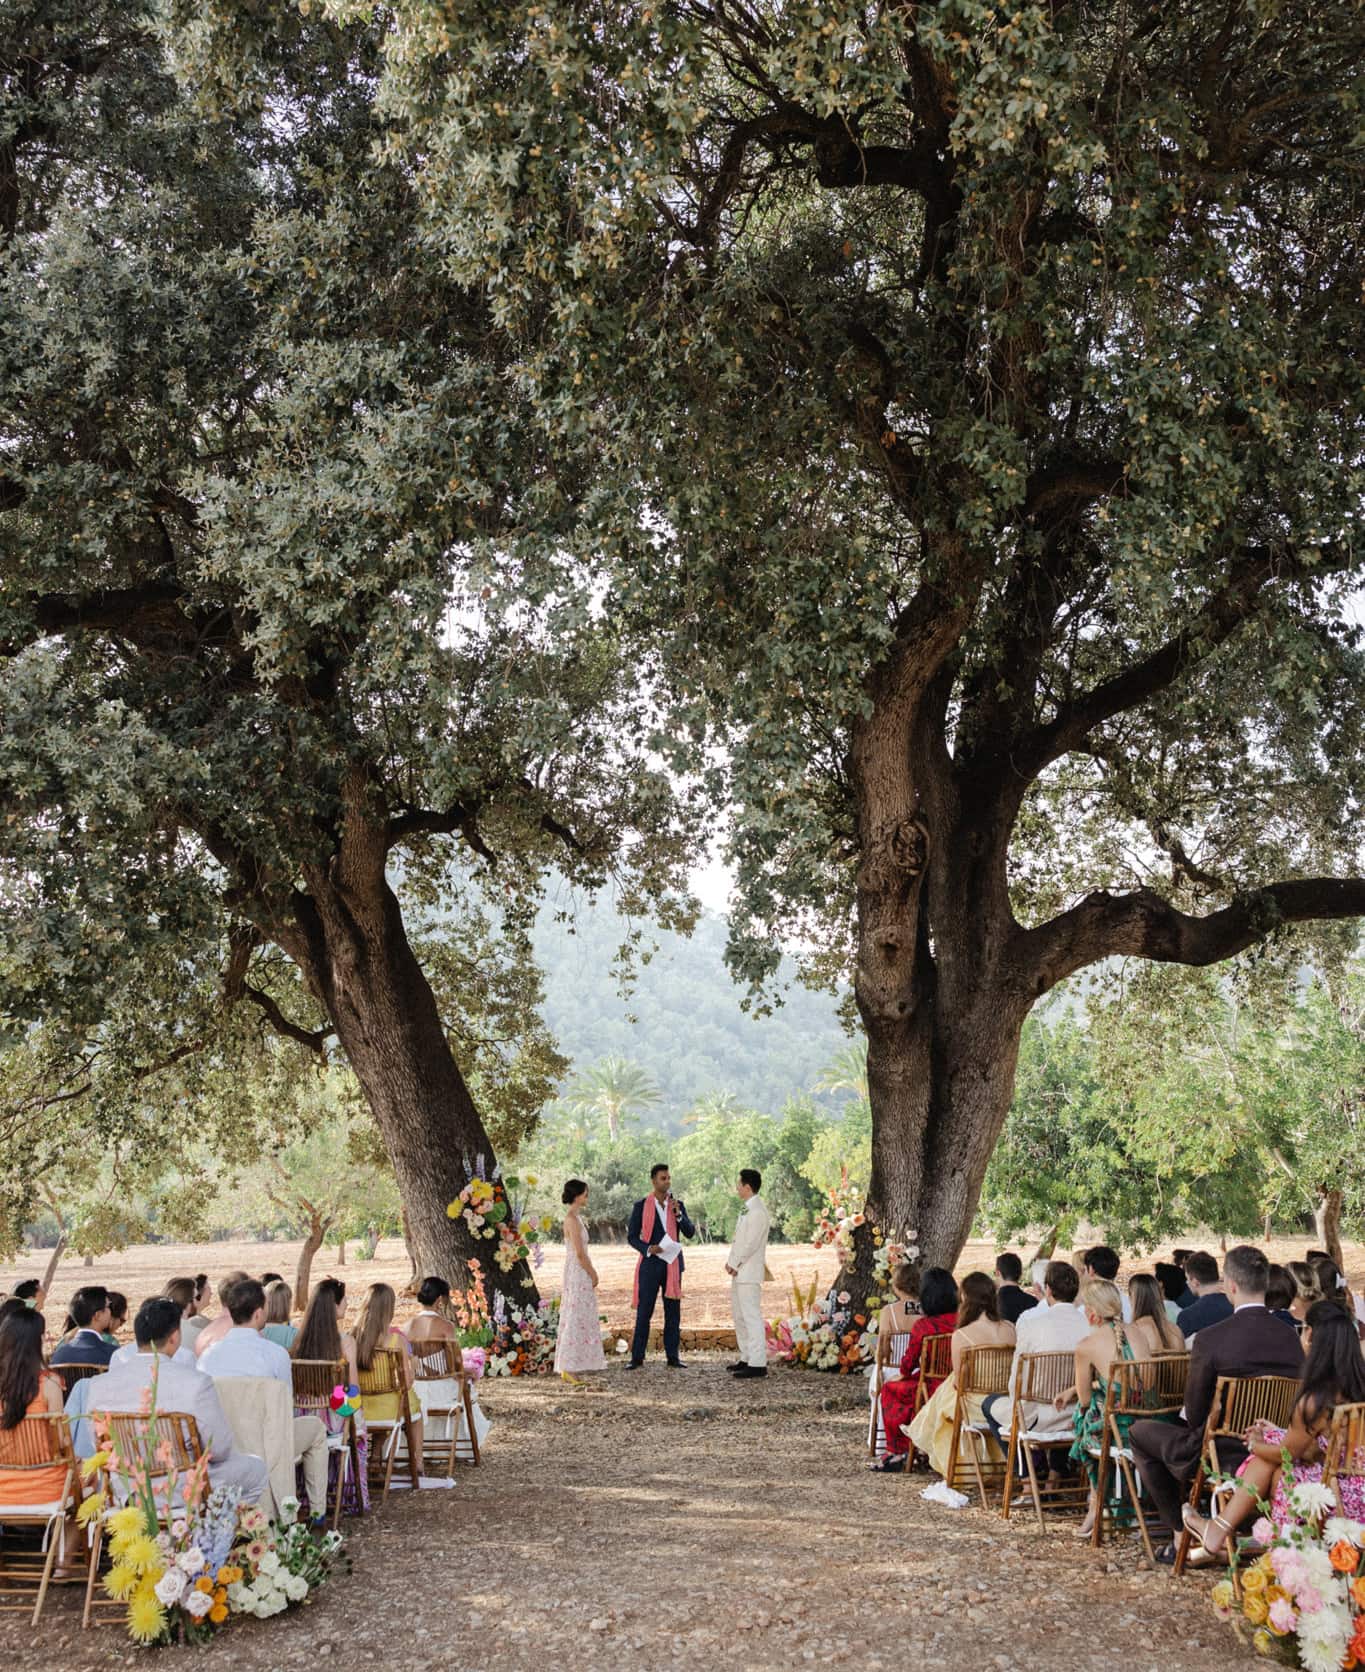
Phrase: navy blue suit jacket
{"type": "Point", "coordinates": [635, 1235]}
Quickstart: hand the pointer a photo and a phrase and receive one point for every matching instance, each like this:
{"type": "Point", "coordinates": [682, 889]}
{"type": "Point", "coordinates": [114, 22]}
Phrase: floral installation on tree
{"type": "Point", "coordinates": [490, 1210]}
{"type": "Point", "coordinates": [1303, 1597]}
{"type": "Point", "coordinates": [186, 1556]}
{"type": "Point", "coordinates": [840, 1218]}
{"type": "Point", "coordinates": [828, 1334]}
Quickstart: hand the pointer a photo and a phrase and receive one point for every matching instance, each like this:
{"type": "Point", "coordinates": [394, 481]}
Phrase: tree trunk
{"type": "Point", "coordinates": [351, 943]}
{"type": "Point", "coordinates": [413, 1278]}
{"type": "Point", "coordinates": [53, 1260]}
{"type": "Point", "coordinates": [1327, 1220]}
{"type": "Point", "coordinates": [341, 1251]}
{"type": "Point", "coordinates": [303, 1272]}
{"type": "Point", "coordinates": [1047, 1244]}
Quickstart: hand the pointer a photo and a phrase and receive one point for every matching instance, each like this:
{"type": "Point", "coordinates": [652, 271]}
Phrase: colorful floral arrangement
{"type": "Point", "coordinates": [490, 1210]}
{"type": "Point", "coordinates": [186, 1557]}
{"type": "Point", "coordinates": [1303, 1598]}
{"type": "Point", "coordinates": [840, 1218]}
{"type": "Point", "coordinates": [469, 1307]}
{"type": "Point", "coordinates": [523, 1339]}
{"type": "Point", "coordinates": [827, 1334]}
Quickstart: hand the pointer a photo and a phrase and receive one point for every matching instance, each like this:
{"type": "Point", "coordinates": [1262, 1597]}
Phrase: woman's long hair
{"type": "Point", "coordinates": [1334, 1373]}
{"type": "Point", "coordinates": [978, 1299]}
{"type": "Point", "coordinates": [279, 1301]}
{"type": "Point", "coordinates": [319, 1334]}
{"type": "Point", "coordinates": [1149, 1301]}
{"type": "Point", "coordinates": [21, 1364]}
{"type": "Point", "coordinates": [376, 1319]}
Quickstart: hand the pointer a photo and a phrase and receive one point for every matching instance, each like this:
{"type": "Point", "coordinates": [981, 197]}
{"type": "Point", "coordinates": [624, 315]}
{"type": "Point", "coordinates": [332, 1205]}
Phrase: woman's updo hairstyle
{"type": "Point", "coordinates": [572, 1191]}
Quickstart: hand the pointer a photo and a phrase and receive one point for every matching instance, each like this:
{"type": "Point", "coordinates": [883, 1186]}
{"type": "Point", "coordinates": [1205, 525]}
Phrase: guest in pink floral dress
{"type": "Point", "coordinates": [578, 1346]}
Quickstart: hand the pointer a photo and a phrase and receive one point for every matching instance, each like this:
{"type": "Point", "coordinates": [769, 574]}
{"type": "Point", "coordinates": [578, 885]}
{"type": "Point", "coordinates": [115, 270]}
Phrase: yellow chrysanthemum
{"type": "Point", "coordinates": [126, 1523]}
{"type": "Point", "coordinates": [204, 1584]}
{"type": "Point", "coordinates": [218, 1613]}
{"type": "Point", "coordinates": [90, 1508]}
{"type": "Point", "coordinates": [92, 1465]}
{"type": "Point", "coordinates": [140, 1552]}
{"type": "Point", "coordinates": [146, 1618]}
{"type": "Point", "coordinates": [1256, 1609]}
{"type": "Point", "coordinates": [120, 1582]}
{"type": "Point", "coordinates": [1254, 1580]}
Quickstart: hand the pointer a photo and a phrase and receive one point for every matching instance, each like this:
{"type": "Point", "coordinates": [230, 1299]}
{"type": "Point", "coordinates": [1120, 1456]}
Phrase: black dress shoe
{"type": "Point", "coordinates": [676, 1364]}
{"type": "Point", "coordinates": [636, 1364]}
{"type": "Point", "coordinates": [737, 1365]}
{"type": "Point", "coordinates": [750, 1373]}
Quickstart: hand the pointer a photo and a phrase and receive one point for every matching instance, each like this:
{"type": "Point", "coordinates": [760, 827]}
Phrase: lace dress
{"type": "Point", "coordinates": [578, 1345]}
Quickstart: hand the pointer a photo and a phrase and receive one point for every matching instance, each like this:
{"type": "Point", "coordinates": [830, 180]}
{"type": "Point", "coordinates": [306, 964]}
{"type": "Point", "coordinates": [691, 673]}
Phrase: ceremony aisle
{"type": "Point", "coordinates": [683, 1520]}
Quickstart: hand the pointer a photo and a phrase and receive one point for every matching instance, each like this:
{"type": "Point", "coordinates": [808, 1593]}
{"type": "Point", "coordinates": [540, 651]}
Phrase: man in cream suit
{"type": "Point", "coordinates": [745, 1268]}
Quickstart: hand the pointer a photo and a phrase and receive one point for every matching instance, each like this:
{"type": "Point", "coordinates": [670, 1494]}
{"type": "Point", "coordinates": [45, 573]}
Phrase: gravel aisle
{"type": "Point", "coordinates": [682, 1519]}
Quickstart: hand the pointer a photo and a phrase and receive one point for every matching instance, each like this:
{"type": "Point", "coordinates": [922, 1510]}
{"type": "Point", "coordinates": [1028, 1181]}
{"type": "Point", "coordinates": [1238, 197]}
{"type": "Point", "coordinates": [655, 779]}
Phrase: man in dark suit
{"type": "Point", "coordinates": [1250, 1343]}
{"type": "Point", "coordinates": [653, 1217]}
{"type": "Point", "coordinates": [90, 1313]}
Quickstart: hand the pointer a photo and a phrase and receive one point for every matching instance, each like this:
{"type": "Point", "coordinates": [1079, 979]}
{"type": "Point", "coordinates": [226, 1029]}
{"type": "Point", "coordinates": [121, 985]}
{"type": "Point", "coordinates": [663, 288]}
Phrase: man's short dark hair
{"type": "Point", "coordinates": [1248, 1268]}
{"type": "Point", "coordinates": [1202, 1268]}
{"type": "Point", "coordinates": [87, 1304]}
{"type": "Point", "coordinates": [244, 1300]}
{"type": "Point", "coordinates": [1103, 1261]}
{"type": "Point", "coordinates": [1062, 1280]}
{"type": "Point", "coordinates": [1010, 1267]}
{"type": "Point", "coordinates": [1171, 1278]}
{"type": "Point", "coordinates": [156, 1322]}
{"type": "Point", "coordinates": [656, 1169]}
{"type": "Point", "coordinates": [752, 1177]}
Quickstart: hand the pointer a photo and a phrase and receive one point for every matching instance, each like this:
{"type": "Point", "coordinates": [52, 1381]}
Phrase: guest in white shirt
{"type": "Point", "coordinates": [244, 1351]}
{"type": "Point", "coordinates": [216, 1328]}
{"type": "Point", "coordinates": [1058, 1325]}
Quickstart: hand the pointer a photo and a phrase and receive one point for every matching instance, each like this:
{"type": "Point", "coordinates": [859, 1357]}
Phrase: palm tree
{"type": "Point", "coordinates": [720, 1106]}
{"type": "Point", "coordinates": [846, 1071]}
{"type": "Point", "coordinates": [614, 1087]}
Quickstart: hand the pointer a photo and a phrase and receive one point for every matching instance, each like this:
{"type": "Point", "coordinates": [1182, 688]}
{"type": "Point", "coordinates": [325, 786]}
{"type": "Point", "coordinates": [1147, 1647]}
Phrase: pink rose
{"type": "Point", "coordinates": [1282, 1616]}
{"type": "Point", "coordinates": [1309, 1599]}
{"type": "Point", "coordinates": [1264, 1531]}
{"type": "Point", "coordinates": [1288, 1566]}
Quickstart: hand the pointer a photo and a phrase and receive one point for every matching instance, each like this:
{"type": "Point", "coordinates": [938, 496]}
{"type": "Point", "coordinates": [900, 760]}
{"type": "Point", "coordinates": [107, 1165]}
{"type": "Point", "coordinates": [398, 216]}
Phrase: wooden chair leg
{"type": "Point", "coordinates": [1182, 1537]}
{"type": "Point", "coordinates": [45, 1577]}
{"type": "Point", "coordinates": [414, 1455]}
{"type": "Point", "coordinates": [1031, 1464]}
{"type": "Point", "coordinates": [96, 1549]}
{"type": "Point", "coordinates": [1101, 1493]}
{"type": "Point", "coordinates": [1014, 1455]}
{"type": "Point", "coordinates": [473, 1431]}
{"type": "Point", "coordinates": [1134, 1484]}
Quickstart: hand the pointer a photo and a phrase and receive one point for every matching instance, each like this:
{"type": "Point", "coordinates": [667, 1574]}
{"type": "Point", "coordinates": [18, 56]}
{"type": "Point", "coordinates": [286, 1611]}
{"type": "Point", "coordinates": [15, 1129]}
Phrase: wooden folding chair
{"type": "Point", "coordinates": [935, 1365]}
{"type": "Point", "coordinates": [982, 1371]}
{"type": "Point", "coordinates": [1138, 1388]}
{"type": "Point", "coordinates": [69, 1374]}
{"type": "Point", "coordinates": [1238, 1401]}
{"type": "Point", "coordinates": [165, 1447]}
{"type": "Point", "coordinates": [1345, 1449]}
{"type": "Point", "coordinates": [442, 1361]}
{"type": "Point", "coordinates": [385, 1375]}
{"type": "Point", "coordinates": [1042, 1377]}
{"type": "Point", "coordinates": [314, 1381]}
{"type": "Point", "coordinates": [890, 1350]}
{"type": "Point", "coordinates": [36, 1442]}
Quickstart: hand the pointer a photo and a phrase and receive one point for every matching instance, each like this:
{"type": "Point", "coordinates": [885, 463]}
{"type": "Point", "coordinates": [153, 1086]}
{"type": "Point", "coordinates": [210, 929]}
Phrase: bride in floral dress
{"type": "Point", "coordinates": [578, 1346]}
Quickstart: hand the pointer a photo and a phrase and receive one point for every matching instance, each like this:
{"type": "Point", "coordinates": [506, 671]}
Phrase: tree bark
{"type": "Point", "coordinates": [1327, 1223]}
{"type": "Point", "coordinates": [303, 1272]}
{"type": "Point", "coordinates": [53, 1260]}
{"type": "Point", "coordinates": [348, 938]}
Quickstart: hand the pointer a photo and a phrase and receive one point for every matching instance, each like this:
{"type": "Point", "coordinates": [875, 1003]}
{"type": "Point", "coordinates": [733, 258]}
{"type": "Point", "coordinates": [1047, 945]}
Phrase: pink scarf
{"type": "Point", "coordinates": [649, 1225]}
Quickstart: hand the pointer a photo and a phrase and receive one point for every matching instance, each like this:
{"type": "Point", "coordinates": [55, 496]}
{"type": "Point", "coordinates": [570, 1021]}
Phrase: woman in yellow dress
{"type": "Point", "coordinates": [979, 1324]}
{"type": "Point", "coordinates": [375, 1330]}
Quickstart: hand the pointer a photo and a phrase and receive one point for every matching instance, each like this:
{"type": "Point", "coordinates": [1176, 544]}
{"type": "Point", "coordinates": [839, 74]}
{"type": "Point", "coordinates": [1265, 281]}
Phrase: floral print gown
{"type": "Point", "coordinates": [578, 1345]}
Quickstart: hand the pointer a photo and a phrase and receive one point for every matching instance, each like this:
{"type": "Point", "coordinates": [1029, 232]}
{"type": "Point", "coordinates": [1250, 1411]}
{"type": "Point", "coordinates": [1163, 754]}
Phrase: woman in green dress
{"type": "Point", "coordinates": [1105, 1346]}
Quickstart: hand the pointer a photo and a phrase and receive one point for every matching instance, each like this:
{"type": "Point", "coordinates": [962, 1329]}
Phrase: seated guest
{"type": "Point", "coordinates": [1333, 1374]}
{"type": "Point", "coordinates": [979, 1324]}
{"type": "Point", "coordinates": [897, 1317]}
{"type": "Point", "coordinates": [269, 1277]}
{"type": "Point", "coordinates": [1248, 1343]}
{"type": "Point", "coordinates": [433, 1323]}
{"type": "Point", "coordinates": [31, 1292]}
{"type": "Point", "coordinates": [1101, 1264]}
{"type": "Point", "coordinates": [216, 1328]}
{"type": "Point", "coordinates": [1331, 1282]}
{"type": "Point", "coordinates": [279, 1303]}
{"type": "Point", "coordinates": [1057, 1325]}
{"type": "Point", "coordinates": [118, 1317]}
{"type": "Point", "coordinates": [125, 1388]}
{"type": "Point", "coordinates": [938, 1299]}
{"type": "Point", "coordinates": [195, 1320]}
{"type": "Point", "coordinates": [1211, 1304]}
{"type": "Point", "coordinates": [1279, 1296]}
{"type": "Point", "coordinates": [29, 1390]}
{"type": "Point", "coordinates": [90, 1317]}
{"type": "Point", "coordinates": [375, 1332]}
{"type": "Point", "coordinates": [1150, 1329]}
{"type": "Point", "coordinates": [1307, 1290]}
{"type": "Point", "coordinates": [1175, 1291]}
{"type": "Point", "coordinates": [1012, 1300]}
{"type": "Point", "coordinates": [1107, 1344]}
{"type": "Point", "coordinates": [321, 1339]}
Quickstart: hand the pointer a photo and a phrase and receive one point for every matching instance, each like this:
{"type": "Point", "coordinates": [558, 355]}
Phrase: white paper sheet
{"type": "Point", "coordinates": [669, 1248]}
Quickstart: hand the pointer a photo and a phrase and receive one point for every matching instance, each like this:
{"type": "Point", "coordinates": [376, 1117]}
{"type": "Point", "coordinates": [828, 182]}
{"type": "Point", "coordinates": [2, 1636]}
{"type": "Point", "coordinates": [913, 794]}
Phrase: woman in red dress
{"type": "Point", "coordinates": [938, 1300]}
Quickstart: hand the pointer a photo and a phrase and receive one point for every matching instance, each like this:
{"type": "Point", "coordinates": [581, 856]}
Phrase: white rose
{"type": "Point", "coordinates": [198, 1603]}
{"type": "Point", "coordinates": [269, 1563]}
{"type": "Point", "coordinates": [191, 1561]}
{"type": "Point", "coordinates": [295, 1587]}
{"type": "Point", "coordinates": [170, 1587]}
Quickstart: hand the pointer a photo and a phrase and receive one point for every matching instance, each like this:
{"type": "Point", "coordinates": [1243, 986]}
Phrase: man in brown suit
{"type": "Point", "coordinates": [1252, 1342]}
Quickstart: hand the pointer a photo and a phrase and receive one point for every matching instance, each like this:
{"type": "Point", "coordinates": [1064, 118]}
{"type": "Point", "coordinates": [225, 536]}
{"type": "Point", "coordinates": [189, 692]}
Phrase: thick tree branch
{"type": "Point", "coordinates": [314, 1039]}
{"type": "Point", "coordinates": [1143, 925]}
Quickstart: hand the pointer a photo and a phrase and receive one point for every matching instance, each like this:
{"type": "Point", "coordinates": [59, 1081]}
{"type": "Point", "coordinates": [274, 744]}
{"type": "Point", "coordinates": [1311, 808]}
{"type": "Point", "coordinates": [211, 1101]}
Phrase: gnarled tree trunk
{"type": "Point", "coordinates": [1327, 1223]}
{"type": "Point", "coordinates": [303, 1272]}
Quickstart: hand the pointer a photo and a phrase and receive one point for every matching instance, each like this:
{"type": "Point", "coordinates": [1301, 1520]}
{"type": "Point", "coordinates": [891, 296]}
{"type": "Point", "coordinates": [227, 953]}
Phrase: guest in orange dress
{"type": "Point", "coordinates": [28, 1389]}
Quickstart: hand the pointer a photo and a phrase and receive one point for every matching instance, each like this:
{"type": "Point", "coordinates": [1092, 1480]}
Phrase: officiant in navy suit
{"type": "Point", "coordinates": [654, 1217]}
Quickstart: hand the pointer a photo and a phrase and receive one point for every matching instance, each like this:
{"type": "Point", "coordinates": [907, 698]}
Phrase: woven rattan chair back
{"type": "Point", "coordinates": [437, 1361]}
{"type": "Point", "coordinates": [384, 1375]}
{"type": "Point", "coordinates": [891, 1350]}
{"type": "Point", "coordinates": [985, 1370]}
{"type": "Point", "coordinates": [1241, 1400]}
{"type": "Point", "coordinates": [166, 1444]}
{"type": "Point", "coordinates": [69, 1374]}
{"type": "Point", "coordinates": [314, 1382]}
{"type": "Point", "coordinates": [1345, 1448]}
{"type": "Point", "coordinates": [1045, 1376]}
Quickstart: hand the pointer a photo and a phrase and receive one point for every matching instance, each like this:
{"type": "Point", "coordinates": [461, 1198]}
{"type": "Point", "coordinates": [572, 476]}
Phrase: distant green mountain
{"type": "Point", "coordinates": [682, 1019]}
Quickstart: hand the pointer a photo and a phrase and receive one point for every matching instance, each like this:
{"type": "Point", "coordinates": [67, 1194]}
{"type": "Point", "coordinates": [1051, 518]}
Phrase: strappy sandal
{"type": "Point", "coordinates": [892, 1464]}
{"type": "Point", "coordinates": [1189, 1517]}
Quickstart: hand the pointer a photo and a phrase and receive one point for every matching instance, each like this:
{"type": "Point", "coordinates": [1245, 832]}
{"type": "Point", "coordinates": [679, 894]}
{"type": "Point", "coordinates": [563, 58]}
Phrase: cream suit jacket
{"type": "Point", "coordinates": [751, 1241]}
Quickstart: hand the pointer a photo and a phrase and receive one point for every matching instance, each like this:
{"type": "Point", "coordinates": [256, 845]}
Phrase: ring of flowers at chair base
{"type": "Point", "coordinates": [1150, 1389]}
{"type": "Point", "coordinates": [1042, 1377]}
{"type": "Point", "coordinates": [38, 1442]}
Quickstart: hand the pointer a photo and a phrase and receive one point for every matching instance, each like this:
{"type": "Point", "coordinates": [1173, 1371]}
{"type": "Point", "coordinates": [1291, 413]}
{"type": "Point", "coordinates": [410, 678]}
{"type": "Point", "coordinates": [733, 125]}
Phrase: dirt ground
{"type": "Point", "coordinates": [679, 1518]}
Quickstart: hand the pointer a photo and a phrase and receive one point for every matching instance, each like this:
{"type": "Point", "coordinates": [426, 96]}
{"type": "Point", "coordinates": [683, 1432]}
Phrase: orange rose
{"type": "Point", "coordinates": [1344, 1556]}
{"type": "Point", "coordinates": [1358, 1592]}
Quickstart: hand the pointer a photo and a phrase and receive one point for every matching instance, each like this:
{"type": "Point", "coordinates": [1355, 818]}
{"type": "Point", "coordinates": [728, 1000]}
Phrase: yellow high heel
{"type": "Point", "coordinates": [573, 1381]}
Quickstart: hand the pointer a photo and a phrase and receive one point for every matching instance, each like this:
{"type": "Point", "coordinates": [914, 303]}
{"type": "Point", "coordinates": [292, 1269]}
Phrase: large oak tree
{"type": "Point", "coordinates": [975, 402]}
